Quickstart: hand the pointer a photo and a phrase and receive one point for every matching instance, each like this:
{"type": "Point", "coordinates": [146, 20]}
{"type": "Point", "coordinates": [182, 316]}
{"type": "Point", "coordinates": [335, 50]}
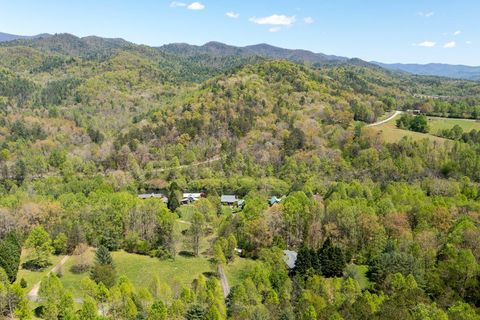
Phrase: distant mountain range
{"type": "Point", "coordinates": [261, 50]}
{"type": "Point", "coordinates": [11, 37]}
{"type": "Point", "coordinates": [436, 69]}
{"type": "Point", "coordinates": [217, 49]}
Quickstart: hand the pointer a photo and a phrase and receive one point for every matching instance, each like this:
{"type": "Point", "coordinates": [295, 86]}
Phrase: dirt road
{"type": "Point", "coordinates": [33, 294]}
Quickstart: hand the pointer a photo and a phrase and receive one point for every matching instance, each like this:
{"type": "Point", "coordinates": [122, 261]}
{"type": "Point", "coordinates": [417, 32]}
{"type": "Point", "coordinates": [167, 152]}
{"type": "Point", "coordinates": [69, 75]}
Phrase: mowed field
{"type": "Point", "coordinates": [141, 270]}
{"type": "Point", "coordinates": [437, 124]}
{"type": "Point", "coordinates": [33, 277]}
{"type": "Point", "coordinates": [390, 133]}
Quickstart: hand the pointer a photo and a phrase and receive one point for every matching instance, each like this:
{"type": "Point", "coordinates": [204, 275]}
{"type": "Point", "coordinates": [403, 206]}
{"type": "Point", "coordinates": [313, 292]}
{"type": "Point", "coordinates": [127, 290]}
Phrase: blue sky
{"type": "Point", "coordinates": [418, 31]}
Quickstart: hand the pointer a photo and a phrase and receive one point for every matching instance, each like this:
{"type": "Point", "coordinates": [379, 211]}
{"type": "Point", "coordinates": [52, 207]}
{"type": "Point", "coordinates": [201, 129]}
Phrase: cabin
{"type": "Point", "coordinates": [229, 200]}
{"type": "Point", "coordinates": [188, 198]}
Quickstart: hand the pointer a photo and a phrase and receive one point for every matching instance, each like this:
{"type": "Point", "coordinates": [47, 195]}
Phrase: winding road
{"type": "Point", "coordinates": [396, 113]}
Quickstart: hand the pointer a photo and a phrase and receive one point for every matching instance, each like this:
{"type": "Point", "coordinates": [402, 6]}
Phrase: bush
{"type": "Point", "coordinates": [80, 268]}
{"type": "Point", "coordinates": [23, 283]}
{"type": "Point", "coordinates": [104, 273]}
{"type": "Point", "coordinates": [413, 123]}
{"type": "Point", "coordinates": [133, 244]}
{"type": "Point", "coordinates": [60, 244]}
{"type": "Point", "coordinates": [160, 253]}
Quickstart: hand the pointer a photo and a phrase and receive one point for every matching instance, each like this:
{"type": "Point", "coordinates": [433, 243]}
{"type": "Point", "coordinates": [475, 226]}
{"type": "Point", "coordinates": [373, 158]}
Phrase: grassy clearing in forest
{"type": "Point", "coordinates": [390, 133]}
{"type": "Point", "coordinates": [33, 277]}
{"type": "Point", "coordinates": [141, 270]}
{"type": "Point", "coordinates": [437, 124]}
{"type": "Point", "coordinates": [236, 270]}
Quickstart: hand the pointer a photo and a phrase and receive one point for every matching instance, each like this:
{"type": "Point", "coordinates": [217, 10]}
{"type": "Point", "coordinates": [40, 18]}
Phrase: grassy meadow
{"type": "Point", "coordinates": [390, 133]}
{"type": "Point", "coordinates": [33, 277]}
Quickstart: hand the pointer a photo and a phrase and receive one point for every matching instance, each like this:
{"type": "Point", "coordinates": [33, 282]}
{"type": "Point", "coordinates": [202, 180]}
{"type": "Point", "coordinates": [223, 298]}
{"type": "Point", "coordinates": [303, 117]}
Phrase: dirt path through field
{"type": "Point", "coordinates": [223, 281]}
{"type": "Point", "coordinates": [33, 294]}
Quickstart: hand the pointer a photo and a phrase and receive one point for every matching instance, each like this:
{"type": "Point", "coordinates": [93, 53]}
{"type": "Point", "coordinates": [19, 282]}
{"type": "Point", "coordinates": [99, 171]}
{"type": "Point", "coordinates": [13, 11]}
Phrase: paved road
{"type": "Point", "coordinates": [386, 120]}
{"type": "Point", "coordinates": [33, 294]}
{"type": "Point", "coordinates": [223, 281]}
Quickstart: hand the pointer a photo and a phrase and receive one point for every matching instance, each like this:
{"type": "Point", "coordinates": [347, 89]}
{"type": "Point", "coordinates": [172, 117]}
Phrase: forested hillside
{"type": "Point", "coordinates": [380, 230]}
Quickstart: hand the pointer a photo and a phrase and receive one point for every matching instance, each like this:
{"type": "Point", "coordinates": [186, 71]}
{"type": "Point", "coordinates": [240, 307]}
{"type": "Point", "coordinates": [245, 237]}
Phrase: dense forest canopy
{"type": "Point", "coordinates": [379, 230]}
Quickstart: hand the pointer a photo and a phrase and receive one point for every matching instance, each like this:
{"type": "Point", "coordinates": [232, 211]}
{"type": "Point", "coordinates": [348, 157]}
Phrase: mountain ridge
{"type": "Point", "coordinates": [457, 71]}
{"type": "Point", "coordinates": [4, 37]}
{"type": "Point", "coordinates": [305, 56]}
{"type": "Point", "coordinates": [215, 49]}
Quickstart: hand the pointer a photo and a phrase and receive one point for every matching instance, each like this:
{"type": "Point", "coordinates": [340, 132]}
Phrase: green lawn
{"type": "Point", "coordinates": [236, 271]}
{"type": "Point", "coordinates": [437, 124]}
{"type": "Point", "coordinates": [390, 133]}
{"type": "Point", "coordinates": [32, 277]}
{"type": "Point", "coordinates": [142, 269]}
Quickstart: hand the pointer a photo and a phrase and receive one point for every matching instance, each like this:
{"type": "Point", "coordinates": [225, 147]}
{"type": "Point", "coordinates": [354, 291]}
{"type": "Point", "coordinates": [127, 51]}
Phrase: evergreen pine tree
{"type": "Point", "coordinates": [173, 202]}
{"type": "Point", "coordinates": [304, 261]}
{"type": "Point", "coordinates": [158, 311]}
{"type": "Point", "coordinates": [103, 270]}
{"type": "Point", "coordinates": [103, 256]}
{"type": "Point", "coordinates": [10, 251]}
{"type": "Point", "coordinates": [332, 260]}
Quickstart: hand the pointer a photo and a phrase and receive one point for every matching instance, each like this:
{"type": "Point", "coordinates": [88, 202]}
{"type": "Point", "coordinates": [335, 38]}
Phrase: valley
{"type": "Point", "coordinates": [219, 182]}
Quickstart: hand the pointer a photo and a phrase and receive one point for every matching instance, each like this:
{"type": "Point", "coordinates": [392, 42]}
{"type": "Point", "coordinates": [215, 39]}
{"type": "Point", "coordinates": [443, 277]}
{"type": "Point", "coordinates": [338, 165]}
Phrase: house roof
{"type": "Point", "coordinates": [274, 200]}
{"type": "Point", "coordinates": [228, 199]}
{"type": "Point", "coordinates": [150, 195]}
{"type": "Point", "coordinates": [290, 257]}
{"type": "Point", "coordinates": [192, 195]}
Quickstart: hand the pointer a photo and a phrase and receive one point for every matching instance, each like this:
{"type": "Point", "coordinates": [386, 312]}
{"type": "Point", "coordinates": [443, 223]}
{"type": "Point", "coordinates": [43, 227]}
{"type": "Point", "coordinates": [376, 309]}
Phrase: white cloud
{"type": "Point", "coordinates": [450, 45]}
{"type": "Point", "coordinates": [274, 29]}
{"type": "Point", "coordinates": [308, 20]}
{"type": "Point", "coordinates": [233, 15]}
{"type": "Point", "coordinates": [195, 6]}
{"type": "Point", "coordinates": [456, 33]}
{"type": "Point", "coordinates": [426, 44]}
{"type": "Point", "coordinates": [426, 14]}
{"type": "Point", "coordinates": [275, 20]}
{"type": "Point", "coordinates": [468, 42]}
{"type": "Point", "coordinates": [176, 4]}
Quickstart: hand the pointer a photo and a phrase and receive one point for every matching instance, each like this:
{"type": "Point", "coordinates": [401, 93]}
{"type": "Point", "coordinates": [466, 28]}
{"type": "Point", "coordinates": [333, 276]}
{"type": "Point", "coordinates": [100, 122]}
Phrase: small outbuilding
{"type": "Point", "coordinates": [229, 200]}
